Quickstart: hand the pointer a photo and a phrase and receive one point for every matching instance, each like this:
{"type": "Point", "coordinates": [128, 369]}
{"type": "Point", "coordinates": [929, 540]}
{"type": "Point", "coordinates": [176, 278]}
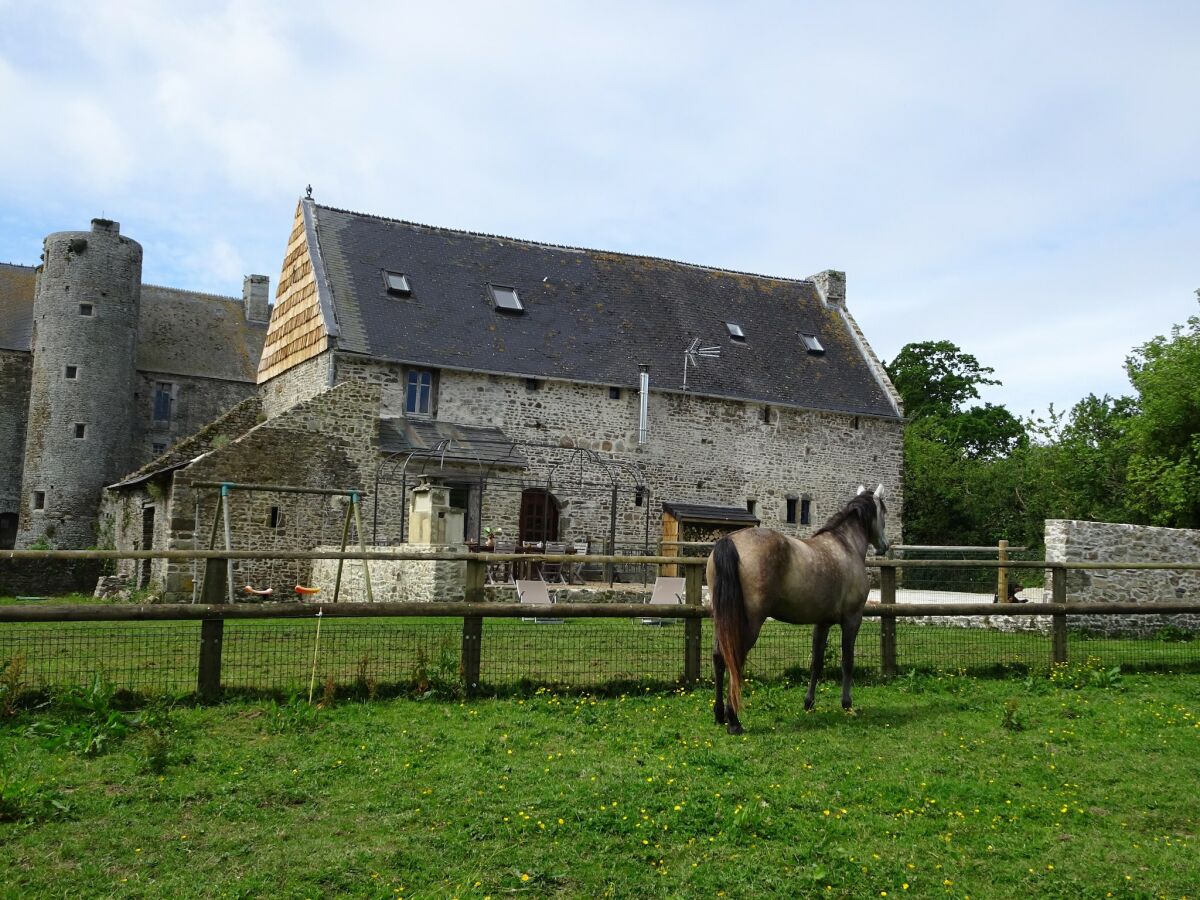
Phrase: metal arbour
{"type": "Point", "coordinates": [504, 465]}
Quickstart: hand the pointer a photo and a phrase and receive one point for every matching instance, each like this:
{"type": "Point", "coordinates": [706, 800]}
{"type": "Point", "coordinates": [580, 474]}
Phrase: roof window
{"type": "Point", "coordinates": [735, 332]}
{"type": "Point", "coordinates": [811, 344]}
{"type": "Point", "coordinates": [505, 298]}
{"type": "Point", "coordinates": [397, 284]}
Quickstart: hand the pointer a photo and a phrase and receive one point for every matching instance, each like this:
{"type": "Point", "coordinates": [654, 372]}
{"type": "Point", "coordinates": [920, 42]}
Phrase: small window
{"type": "Point", "coordinates": [71, 373]}
{"type": "Point", "coordinates": [418, 396]}
{"type": "Point", "coordinates": [736, 333]}
{"type": "Point", "coordinates": [505, 298]}
{"type": "Point", "coordinates": [855, 423]}
{"type": "Point", "coordinates": [274, 517]}
{"type": "Point", "coordinates": [397, 284]}
{"type": "Point", "coordinates": [766, 415]}
{"type": "Point", "coordinates": [614, 393]}
{"type": "Point", "coordinates": [811, 344]}
{"type": "Point", "coordinates": [791, 510]}
{"type": "Point", "coordinates": [805, 511]}
{"type": "Point", "coordinates": [85, 309]}
{"type": "Point", "coordinates": [80, 430]}
{"type": "Point", "coordinates": [752, 507]}
{"type": "Point", "coordinates": [39, 499]}
{"type": "Point", "coordinates": [533, 384]}
{"type": "Point", "coordinates": [158, 448]}
{"type": "Point", "coordinates": [163, 400]}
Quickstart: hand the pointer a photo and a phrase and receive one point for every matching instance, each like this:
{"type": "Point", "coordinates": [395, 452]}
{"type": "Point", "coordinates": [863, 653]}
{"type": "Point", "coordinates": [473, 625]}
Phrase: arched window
{"type": "Point", "coordinates": [539, 515]}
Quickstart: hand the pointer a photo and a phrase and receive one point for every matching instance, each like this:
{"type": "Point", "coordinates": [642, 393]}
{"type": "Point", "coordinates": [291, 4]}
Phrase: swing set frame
{"type": "Point", "coordinates": [221, 515]}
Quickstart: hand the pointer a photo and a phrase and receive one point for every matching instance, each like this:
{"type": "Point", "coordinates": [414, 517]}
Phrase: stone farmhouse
{"type": "Point", "coordinates": [540, 391]}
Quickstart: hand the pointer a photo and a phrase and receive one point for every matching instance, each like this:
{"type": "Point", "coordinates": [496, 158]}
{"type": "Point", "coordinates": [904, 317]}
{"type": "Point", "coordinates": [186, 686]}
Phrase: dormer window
{"type": "Point", "coordinates": [505, 298]}
{"type": "Point", "coordinates": [397, 284]}
{"type": "Point", "coordinates": [811, 344]}
{"type": "Point", "coordinates": [735, 332]}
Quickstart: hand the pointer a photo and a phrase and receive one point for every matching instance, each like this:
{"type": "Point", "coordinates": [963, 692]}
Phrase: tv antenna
{"type": "Point", "coordinates": [694, 353]}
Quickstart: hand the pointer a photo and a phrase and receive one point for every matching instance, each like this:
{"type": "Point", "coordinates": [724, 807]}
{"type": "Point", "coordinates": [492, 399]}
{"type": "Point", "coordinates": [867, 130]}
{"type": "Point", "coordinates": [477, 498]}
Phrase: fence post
{"type": "Point", "coordinates": [1058, 595]}
{"type": "Point", "coordinates": [208, 679]}
{"type": "Point", "coordinates": [693, 579]}
{"type": "Point", "coordinates": [1002, 573]}
{"type": "Point", "coordinates": [472, 636]}
{"type": "Point", "coordinates": [887, 624]}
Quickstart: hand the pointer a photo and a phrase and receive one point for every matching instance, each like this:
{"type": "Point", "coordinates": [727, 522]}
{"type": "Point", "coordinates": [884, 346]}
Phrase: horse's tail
{"type": "Point", "coordinates": [729, 615]}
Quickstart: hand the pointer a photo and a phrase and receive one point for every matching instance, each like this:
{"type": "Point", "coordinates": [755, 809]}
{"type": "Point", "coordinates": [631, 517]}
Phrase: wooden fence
{"type": "Point", "coordinates": [475, 609]}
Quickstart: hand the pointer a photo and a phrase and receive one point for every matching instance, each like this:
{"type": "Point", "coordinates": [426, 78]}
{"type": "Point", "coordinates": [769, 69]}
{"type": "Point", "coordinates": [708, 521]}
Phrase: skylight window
{"type": "Point", "coordinates": [397, 284]}
{"type": "Point", "coordinates": [811, 344]}
{"type": "Point", "coordinates": [735, 332]}
{"type": "Point", "coordinates": [505, 298]}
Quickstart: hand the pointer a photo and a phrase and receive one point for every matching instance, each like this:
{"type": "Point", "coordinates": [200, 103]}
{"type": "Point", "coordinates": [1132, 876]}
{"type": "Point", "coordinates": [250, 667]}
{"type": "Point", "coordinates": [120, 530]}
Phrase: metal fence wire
{"type": "Point", "coordinates": [406, 655]}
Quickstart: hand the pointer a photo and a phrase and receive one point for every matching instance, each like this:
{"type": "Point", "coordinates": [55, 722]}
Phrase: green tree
{"type": "Point", "coordinates": [936, 378]}
{"type": "Point", "coordinates": [1164, 466]}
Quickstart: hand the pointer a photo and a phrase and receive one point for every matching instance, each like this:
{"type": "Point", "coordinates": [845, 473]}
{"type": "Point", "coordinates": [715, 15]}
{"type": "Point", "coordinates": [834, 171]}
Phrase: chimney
{"type": "Point", "coordinates": [256, 290]}
{"type": "Point", "coordinates": [831, 286]}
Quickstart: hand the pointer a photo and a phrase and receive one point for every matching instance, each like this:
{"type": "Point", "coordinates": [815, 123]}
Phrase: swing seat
{"type": "Point", "coordinates": [263, 592]}
{"type": "Point", "coordinates": [302, 590]}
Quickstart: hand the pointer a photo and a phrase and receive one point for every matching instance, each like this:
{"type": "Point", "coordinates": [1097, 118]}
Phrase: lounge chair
{"type": "Point", "coordinates": [536, 594]}
{"type": "Point", "coordinates": [668, 591]}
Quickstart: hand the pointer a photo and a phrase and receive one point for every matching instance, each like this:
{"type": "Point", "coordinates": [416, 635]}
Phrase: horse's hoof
{"type": "Point", "coordinates": [719, 715]}
{"type": "Point", "coordinates": [734, 729]}
{"type": "Point", "coordinates": [808, 704]}
{"type": "Point", "coordinates": [850, 710]}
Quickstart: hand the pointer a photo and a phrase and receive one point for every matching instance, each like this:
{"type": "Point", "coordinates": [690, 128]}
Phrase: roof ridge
{"type": "Point", "coordinates": [163, 287]}
{"type": "Point", "coordinates": [553, 246]}
{"type": "Point", "coordinates": [16, 265]}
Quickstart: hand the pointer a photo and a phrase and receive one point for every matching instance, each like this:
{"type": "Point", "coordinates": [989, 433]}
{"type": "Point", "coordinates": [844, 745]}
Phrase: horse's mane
{"type": "Point", "coordinates": [861, 510]}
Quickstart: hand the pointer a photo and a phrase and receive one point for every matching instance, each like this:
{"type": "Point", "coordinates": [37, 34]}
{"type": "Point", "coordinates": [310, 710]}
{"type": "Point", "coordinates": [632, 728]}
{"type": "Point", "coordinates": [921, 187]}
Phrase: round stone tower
{"type": "Point", "coordinates": [81, 417]}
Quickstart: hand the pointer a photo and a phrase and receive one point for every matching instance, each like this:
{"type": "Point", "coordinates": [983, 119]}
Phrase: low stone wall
{"type": "Point", "coordinates": [48, 577]}
{"type": "Point", "coordinates": [1074, 541]}
{"type": "Point", "coordinates": [392, 580]}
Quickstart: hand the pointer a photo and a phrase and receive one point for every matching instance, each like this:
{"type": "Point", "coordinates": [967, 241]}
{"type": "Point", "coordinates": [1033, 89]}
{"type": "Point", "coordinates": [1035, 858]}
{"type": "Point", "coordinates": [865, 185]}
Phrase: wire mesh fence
{"type": "Point", "coordinates": [388, 656]}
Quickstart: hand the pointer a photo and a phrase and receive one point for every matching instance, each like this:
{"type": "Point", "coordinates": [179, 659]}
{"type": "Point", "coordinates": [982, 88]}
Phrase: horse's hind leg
{"type": "Point", "coordinates": [719, 683]}
{"type": "Point", "coordinates": [849, 634]}
{"type": "Point", "coordinates": [820, 637]}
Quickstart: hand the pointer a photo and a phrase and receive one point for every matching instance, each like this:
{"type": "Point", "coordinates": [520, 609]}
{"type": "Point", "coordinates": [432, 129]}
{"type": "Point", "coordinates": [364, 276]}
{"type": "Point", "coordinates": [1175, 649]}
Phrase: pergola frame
{"type": "Point", "coordinates": [573, 468]}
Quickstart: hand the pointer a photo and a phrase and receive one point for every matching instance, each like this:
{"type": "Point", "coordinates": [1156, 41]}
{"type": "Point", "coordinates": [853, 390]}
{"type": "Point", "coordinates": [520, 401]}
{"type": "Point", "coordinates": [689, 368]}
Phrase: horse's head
{"type": "Point", "coordinates": [876, 532]}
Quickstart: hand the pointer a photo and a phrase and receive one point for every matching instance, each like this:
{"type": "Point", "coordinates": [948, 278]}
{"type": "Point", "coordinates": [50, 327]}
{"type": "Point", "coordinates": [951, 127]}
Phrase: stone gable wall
{"type": "Point", "coordinates": [297, 384]}
{"type": "Point", "coordinates": [1077, 541]}
{"type": "Point", "coordinates": [327, 442]}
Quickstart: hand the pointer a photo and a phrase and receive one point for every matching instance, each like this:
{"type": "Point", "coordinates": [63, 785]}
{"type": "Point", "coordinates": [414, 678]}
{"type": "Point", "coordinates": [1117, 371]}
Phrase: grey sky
{"type": "Point", "coordinates": [1019, 178]}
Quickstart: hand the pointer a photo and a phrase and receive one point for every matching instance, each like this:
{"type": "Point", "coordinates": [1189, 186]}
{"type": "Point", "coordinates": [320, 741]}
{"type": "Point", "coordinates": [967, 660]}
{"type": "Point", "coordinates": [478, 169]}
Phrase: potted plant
{"type": "Point", "coordinates": [489, 536]}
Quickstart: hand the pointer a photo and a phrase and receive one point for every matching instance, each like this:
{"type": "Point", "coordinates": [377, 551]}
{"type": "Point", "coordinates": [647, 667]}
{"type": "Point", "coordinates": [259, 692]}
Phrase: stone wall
{"type": "Point", "coordinates": [197, 403]}
{"type": "Point", "coordinates": [15, 373]}
{"type": "Point", "coordinates": [328, 442]}
{"type": "Point", "coordinates": [701, 450]}
{"type": "Point", "coordinates": [1076, 541]}
{"type": "Point", "coordinates": [48, 577]}
{"type": "Point", "coordinates": [392, 581]}
{"type": "Point", "coordinates": [297, 384]}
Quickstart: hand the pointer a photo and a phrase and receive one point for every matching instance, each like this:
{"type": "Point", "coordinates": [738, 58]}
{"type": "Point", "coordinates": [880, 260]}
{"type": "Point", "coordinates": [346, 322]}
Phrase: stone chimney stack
{"type": "Point", "coordinates": [256, 292]}
{"type": "Point", "coordinates": [831, 285]}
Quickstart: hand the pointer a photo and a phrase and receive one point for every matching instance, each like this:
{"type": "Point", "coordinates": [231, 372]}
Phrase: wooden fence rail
{"type": "Point", "coordinates": [474, 609]}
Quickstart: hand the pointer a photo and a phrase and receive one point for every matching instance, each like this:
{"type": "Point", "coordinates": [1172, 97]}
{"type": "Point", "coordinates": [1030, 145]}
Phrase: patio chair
{"type": "Point", "coordinates": [668, 591]}
{"type": "Point", "coordinates": [536, 594]}
{"type": "Point", "coordinates": [579, 571]}
{"type": "Point", "coordinates": [555, 571]}
{"type": "Point", "coordinates": [501, 572]}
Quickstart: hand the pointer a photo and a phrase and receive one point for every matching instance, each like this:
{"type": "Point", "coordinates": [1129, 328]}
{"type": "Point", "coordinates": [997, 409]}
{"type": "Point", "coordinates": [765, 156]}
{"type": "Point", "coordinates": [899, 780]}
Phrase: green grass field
{"type": "Point", "coordinates": [1077, 784]}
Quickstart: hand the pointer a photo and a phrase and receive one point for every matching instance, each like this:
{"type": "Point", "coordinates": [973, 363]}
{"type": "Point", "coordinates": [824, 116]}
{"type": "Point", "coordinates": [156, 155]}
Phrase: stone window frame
{"type": "Point", "coordinates": [791, 502]}
{"type": "Point", "coordinates": [70, 372]}
{"type": "Point", "coordinates": [87, 310]}
{"type": "Point", "coordinates": [80, 431]}
{"type": "Point", "coordinates": [614, 393]}
{"type": "Point", "coordinates": [37, 501]}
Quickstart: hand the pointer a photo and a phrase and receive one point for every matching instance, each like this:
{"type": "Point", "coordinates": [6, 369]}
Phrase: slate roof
{"type": "Point", "coordinates": [694, 512]}
{"type": "Point", "coordinates": [470, 443]}
{"type": "Point", "coordinates": [179, 332]}
{"type": "Point", "coordinates": [16, 306]}
{"type": "Point", "coordinates": [590, 315]}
